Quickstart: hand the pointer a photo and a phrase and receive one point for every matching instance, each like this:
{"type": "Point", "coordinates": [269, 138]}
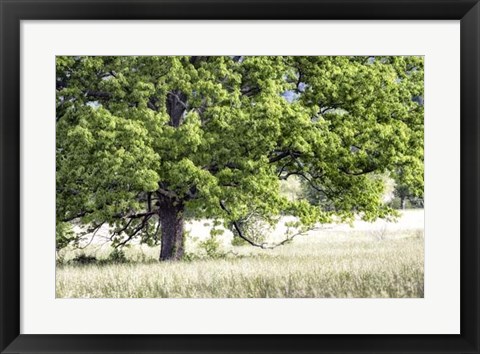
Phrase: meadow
{"type": "Point", "coordinates": [382, 260]}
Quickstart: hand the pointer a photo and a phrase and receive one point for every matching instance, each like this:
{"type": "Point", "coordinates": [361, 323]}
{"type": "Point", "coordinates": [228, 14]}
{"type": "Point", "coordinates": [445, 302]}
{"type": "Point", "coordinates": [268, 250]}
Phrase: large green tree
{"type": "Point", "coordinates": [144, 141]}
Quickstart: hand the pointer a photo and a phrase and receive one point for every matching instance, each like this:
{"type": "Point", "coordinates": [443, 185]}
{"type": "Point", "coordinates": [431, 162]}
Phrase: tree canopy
{"type": "Point", "coordinates": [145, 141]}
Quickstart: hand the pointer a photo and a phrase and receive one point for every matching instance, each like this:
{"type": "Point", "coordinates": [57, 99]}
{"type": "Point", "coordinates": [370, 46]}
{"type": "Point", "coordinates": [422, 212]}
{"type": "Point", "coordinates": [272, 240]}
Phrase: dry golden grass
{"type": "Point", "coordinates": [343, 265]}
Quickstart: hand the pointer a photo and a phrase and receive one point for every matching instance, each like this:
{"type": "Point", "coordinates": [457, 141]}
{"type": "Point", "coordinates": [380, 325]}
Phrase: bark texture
{"type": "Point", "coordinates": [171, 208]}
{"type": "Point", "coordinates": [172, 229]}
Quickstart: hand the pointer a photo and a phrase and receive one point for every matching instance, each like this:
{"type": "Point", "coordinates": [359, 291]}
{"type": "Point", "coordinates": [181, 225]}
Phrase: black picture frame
{"type": "Point", "coordinates": [13, 11]}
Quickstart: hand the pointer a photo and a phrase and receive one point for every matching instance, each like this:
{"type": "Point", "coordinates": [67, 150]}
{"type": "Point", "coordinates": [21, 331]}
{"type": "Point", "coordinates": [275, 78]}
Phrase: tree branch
{"type": "Point", "coordinates": [249, 91]}
{"type": "Point", "coordinates": [98, 94]}
{"type": "Point", "coordinates": [264, 245]}
{"type": "Point", "coordinates": [93, 231]}
{"type": "Point", "coordinates": [179, 100]}
{"type": "Point", "coordinates": [283, 154]}
{"type": "Point", "coordinates": [141, 215]}
{"type": "Point", "coordinates": [71, 218]}
{"type": "Point", "coordinates": [363, 172]}
{"type": "Point", "coordinates": [135, 231]}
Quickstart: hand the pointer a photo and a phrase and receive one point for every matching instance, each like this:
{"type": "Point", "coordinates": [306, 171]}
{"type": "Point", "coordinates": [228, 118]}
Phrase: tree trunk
{"type": "Point", "coordinates": [170, 209]}
{"type": "Point", "coordinates": [171, 223]}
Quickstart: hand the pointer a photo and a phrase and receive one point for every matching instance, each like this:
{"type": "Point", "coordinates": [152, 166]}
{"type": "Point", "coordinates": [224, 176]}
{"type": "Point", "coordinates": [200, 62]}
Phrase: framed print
{"type": "Point", "coordinates": [237, 176]}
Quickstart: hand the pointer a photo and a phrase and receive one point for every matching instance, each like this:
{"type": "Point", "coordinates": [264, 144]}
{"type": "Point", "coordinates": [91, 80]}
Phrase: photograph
{"type": "Point", "coordinates": [239, 176]}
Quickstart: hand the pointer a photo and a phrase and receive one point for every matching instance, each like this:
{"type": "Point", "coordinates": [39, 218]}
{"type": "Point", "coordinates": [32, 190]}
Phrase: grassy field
{"type": "Point", "coordinates": [335, 263]}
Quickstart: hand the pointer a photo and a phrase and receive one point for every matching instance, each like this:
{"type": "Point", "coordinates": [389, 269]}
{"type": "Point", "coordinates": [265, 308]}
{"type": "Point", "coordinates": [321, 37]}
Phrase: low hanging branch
{"type": "Point", "coordinates": [135, 231]}
{"type": "Point", "coordinates": [262, 245]}
{"type": "Point", "coordinates": [92, 231]}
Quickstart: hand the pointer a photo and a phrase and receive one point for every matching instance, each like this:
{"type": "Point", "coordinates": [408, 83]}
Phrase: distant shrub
{"type": "Point", "coordinates": [117, 256]}
{"type": "Point", "coordinates": [409, 203]}
{"type": "Point", "coordinates": [84, 259]}
{"type": "Point", "coordinates": [211, 246]}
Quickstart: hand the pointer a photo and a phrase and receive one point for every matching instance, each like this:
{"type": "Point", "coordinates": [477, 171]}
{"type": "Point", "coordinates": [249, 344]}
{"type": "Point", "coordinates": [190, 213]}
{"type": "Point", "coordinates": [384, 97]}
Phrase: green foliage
{"type": "Point", "coordinates": [293, 188]}
{"type": "Point", "coordinates": [203, 131]}
{"type": "Point", "coordinates": [64, 235]}
{"type": "Point", "coordinates": [117, 256]}
{"type": "Point", "coordinates": [406, 194]}
{"type": "Point", "coordinates": [211, 246]}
